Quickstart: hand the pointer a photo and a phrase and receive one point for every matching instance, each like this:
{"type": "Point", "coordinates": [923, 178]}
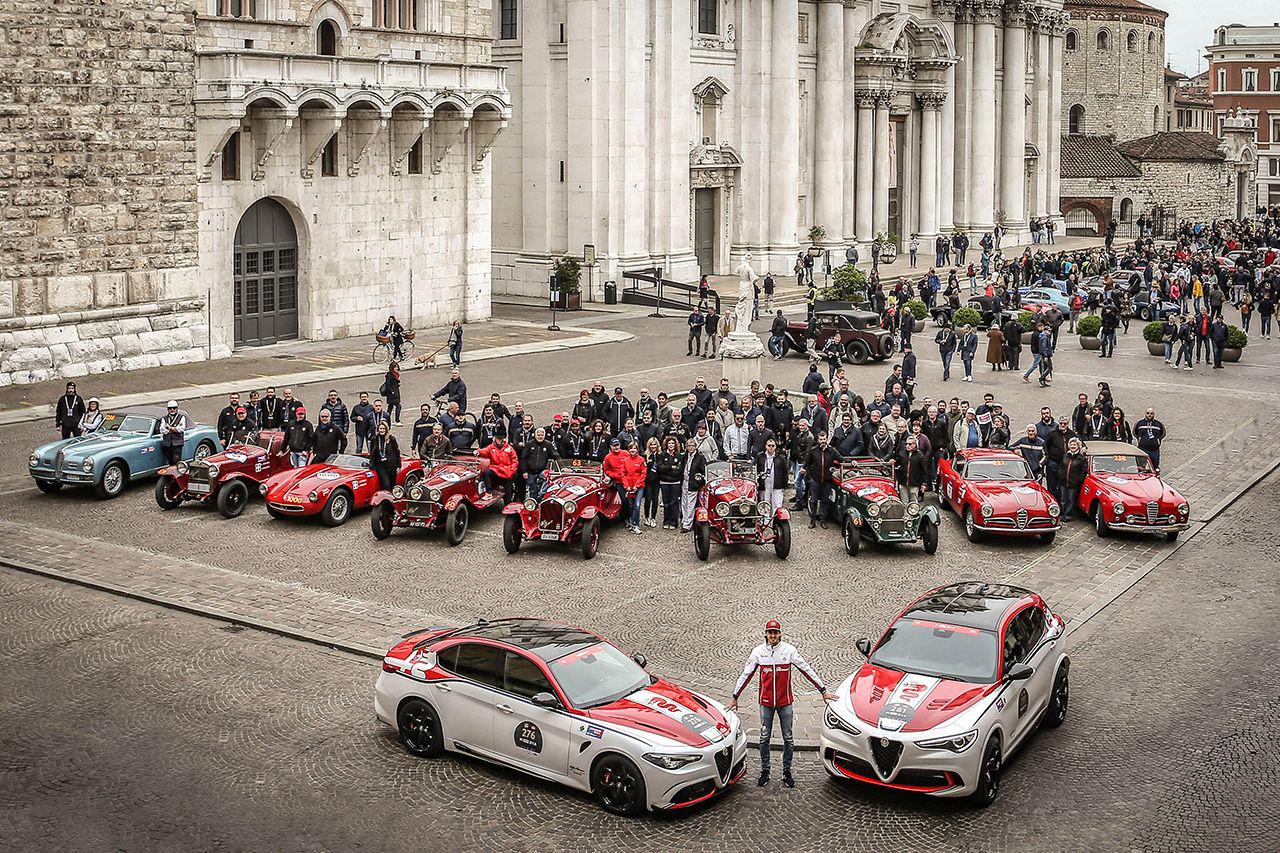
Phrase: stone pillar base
{"type": "Point", "coordinates": [740, 355]}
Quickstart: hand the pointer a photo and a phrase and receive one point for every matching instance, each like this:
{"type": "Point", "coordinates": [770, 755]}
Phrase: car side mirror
{"type": "Point", "coordinates": [1019, 672]}
{"type": "Point", "coordinates": [864, 646]}
{"type": "Point", "coordinates": [546, 700]}
{"type": "Point", "coordinates": [640, 660]}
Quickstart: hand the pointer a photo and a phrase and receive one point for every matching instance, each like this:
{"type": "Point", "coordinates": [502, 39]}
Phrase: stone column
{"type": "Point", "coordinates": [671, 244]}
{"type": "Point", "coordinates": [982, 154]}
{"type": "Point", "coordinates": [866, 101]}
{"type": "Point", "coordinates": [1055, 114]}
{"type": "Point", "coordinates": [1013, 117]}
{"type": "Point", "coordinates": [849, 148]}
{"type": "Point", "coordinates": [784, 132]}
{"type": "Point", "coordinates": [946, 12]}
{"type": "Point", "coordinates": [880, 165]}
{"type": "Point", "coordinates": [752, 107]}
{"type": "Point", "coordinates": [1040, 201]}
{"type": "Point", "coordinates": [828, 179]}
{"type": "Point", "coordinates": [961, 118]}
{"type": "Point", "coordinates": [930, 167]}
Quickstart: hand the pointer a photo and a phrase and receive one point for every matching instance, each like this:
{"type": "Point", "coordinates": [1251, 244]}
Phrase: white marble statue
{"type": "Point", "coordinates": [746, 295]}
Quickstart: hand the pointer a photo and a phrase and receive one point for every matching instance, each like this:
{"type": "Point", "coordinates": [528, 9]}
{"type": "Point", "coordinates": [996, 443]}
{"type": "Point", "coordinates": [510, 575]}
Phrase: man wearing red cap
{"type": "Point", "coordinates": [299, 435]}
{"type": "Point", "coordinates": [775, 660]}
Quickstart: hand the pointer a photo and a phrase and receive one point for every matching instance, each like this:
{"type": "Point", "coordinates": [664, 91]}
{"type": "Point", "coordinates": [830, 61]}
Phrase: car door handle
{"type": "Point", "coordinates": [506, 709]}
{"type": "Point", "coordinates": [444, 688]}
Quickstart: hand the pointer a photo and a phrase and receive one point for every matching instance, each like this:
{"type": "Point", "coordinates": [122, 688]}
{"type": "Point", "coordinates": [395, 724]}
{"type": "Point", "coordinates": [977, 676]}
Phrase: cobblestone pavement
{"type": "Point", "coordinates": [127, 726]}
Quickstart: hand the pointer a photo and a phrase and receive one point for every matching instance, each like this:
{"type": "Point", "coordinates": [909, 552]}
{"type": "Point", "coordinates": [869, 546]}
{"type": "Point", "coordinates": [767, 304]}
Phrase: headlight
{"type": "Point", "coordinates": [531, 505]}
{"type": "Point", "coordinates": [397, 492]}
{"type": "Point", "coordinates": [34, 460]}
{"type": "Point", "coordinates": [722, 509]}
{"type": "Point", "coordinates": [570, 507]}
{"type": "Point", "coordinates": [1184, 508]}
{"type": "Point", "coordinates": [434, 495]}
{"type": "Point", "coordinates": [416, 493]}
{"type": "Point", "coordinates": [262, 489]}
{"type": "Point", "coordinates": [1117, 508]}
{"type": "Point", "coordinates": [955, 743]}
{"type": "Point", "coordinates": [670, 762]}
{"type": "Point", "coordinates": [987, 510]}
{"type": "Point", "coordinates": [913, 508]}
{"type": "Point", "coordinates": [213, 470]}
{"type": "Point", "coordinates": [873, 510]}
{"type": "Point", "coordinates": [1054, 510]}
{"type": "Point", "coordinates": [313, 497]}
{"type": "Point", "coordinates": [835, 721]}
{"type": "Point", "coordinates": [183, 467]}
{"type": "Point", "coordinates": [86, 466]}
{"type": "Point", "coordinates": [765, 509]}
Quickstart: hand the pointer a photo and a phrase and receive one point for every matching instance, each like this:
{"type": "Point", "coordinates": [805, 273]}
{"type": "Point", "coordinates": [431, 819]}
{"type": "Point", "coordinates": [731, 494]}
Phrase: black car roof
{"type": "Point", "coordinates": [970, 603]}
{"type": "Point", "coordinates": [548, 640]}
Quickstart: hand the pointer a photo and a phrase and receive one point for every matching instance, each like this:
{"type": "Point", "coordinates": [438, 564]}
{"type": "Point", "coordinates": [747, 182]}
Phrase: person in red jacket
{"type": "Point", "coordinates": [628, 469]}
{"type": "Point", "coordinates": [503, 464]}
{"type": "Point", "coordinates": [775, 659]}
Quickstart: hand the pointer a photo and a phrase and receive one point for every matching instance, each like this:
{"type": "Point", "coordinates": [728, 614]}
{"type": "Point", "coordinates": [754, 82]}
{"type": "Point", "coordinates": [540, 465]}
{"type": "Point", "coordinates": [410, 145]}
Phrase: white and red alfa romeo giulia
{"type": "Point", "coordinates": [955, 685]}
{"type": "Point", "coordinates": [563, 704]}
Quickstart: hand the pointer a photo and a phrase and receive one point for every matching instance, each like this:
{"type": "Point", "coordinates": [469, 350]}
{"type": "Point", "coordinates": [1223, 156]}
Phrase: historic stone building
{"type": "Point", "coordinates": [685, 133]}
{"type": "Point", "coordinates": [1113, 68]}
{"type": "Point", "coordinates": [181, 179]}
{"type": "Point", "coordinates": [1244, 79]}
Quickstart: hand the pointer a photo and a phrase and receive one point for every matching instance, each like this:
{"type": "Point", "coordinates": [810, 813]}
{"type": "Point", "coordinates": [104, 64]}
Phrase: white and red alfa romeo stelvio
{"type": "Point", "coordinates": [563, 704]}
{"type": "Point", "coordinates": [956, 684]}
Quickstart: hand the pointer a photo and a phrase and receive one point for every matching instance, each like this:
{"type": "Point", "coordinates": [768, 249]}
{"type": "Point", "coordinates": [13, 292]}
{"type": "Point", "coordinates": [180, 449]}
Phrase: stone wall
{"type": "Point", "coordinates": [1199, 191]}
{"type": "Point", "coordinates": [1121, 90]}
{"type": "Point", "coordinates": [98, 133]}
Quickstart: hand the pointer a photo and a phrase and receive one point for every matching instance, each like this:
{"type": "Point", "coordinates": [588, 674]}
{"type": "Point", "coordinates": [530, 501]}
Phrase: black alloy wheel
{"type": "Point", "coordinates": [419, 728]}
{"type": "Point", "coordinates": [989, 776]}
{"type": "Point", "coordinates": [1057, 713]}
{"type": "Point", "coordinates": [233, 497]}
{"type": "Point", "coordinates": [618, 785]}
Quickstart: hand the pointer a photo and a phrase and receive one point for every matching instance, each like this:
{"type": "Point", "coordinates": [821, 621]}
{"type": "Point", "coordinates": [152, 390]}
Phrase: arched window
{"type": "Point", "coordinates": [1071, 39]}
{"type": "Point", "coordinates": [327, 38]}
{"type": "Point", "coordinates": [1151, 42]}
{"type": "Point", "coordinates": [1075, 119]}
{"type": "Point", "coordinates": [1126, 209]}
{"type": "Point", "coordinates": [1131, 41]}
{"type": "Point", "coordinates": [710, 115]}
{"type": "Point", "coordinates": [1104, 39]}
{"type": "Point", "coordinates": [1155, 119]}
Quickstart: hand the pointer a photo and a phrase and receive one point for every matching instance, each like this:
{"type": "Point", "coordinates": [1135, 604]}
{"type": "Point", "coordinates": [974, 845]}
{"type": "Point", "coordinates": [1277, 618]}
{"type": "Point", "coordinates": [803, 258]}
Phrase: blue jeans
{"type": "Point", "coordinates": [946, 363]}
{"type": "Point", "coordinates": [1069, 498]}
{"type": "Point", "coordinates": [784, 715]}
{"type": "Point", "coordinates": [1168, 350]}
{"type": "Point", "coordinates": [537, 482]}
{"type": "Point", "coordinates": [455, 353]}
{"type": "Point", "coordinates": [1184, 349]}
{"type": "Point", "coordinates": [637, 501]}
{"type": "Point", "coordinates": [1108, 341]}
{"type": "Point", "coordinates": [1264, 324]}
{"type": "Point", "coordinates": [801, 482]}
{"type": "Point", "coordinates": [968, 364]}
{"type": "Point", "coordinates": [1035, 365]}
{"type": "Point", "coordinates": [298, 459]}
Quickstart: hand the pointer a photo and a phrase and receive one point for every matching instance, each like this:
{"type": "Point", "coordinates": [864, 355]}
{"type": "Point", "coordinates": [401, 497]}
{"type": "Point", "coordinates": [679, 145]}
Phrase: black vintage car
{"type": "Point", "coordinates": [859, 333]}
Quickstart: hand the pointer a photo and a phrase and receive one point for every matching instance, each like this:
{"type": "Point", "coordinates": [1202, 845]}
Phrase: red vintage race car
{"type": "Point", "coordinates": [993, 492]}
{"type": "Point", "coordinates": [226, 479]}
{"type": "Point", "coordinates": [448, 493]}
{"type": "Point", "coordinates": [578, 498]}
{"type": "Point", "coordinates": [730, 511]}
{"type": "Point", "coordinates": [1123, 492]}
{"type": "Point", "coordinates": [333, 489]}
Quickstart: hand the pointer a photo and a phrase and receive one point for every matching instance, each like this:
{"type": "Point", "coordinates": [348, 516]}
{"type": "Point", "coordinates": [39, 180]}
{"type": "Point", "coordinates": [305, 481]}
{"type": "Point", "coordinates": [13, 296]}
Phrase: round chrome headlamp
{"type": "Point", "coordinates": [531, 505]}
{"type": "Point", "coordinates": [434, 495]}
{"type": "Point", "coordinates": [34, 460]}
{"type": "Point", "coordinates": [873, 510]}
{"type": "Point", "coordinates": [913, 508]}
{"type": "Point", "coordinates": [765, 509]}
{"type": "Point", "coordinates": [1184, 508]}
{"type": "Point", "coordinates": [262, 489]}
{"type": "Point", "coordinates": [397, 492]}
{"type": "Point", "coordinates": [1054, 510]}
{"type": "Point", "coordinates": [213, 470]}
{"type": "Point", "coordinates": [570, 507]}
{"type": "Point", "coordinates": [313, 497]}
{"type": "Point", "coordinates": [183, 467]}
{"type": "Point", "coordinates": [722, 509]}
{"type": "Point", "coordinates": [416, 493]}
{"type": "Point", "coordinates": [86, 466]}
{"type": "Point", "coordinates": [987, 510]}
{"type": "Point", "coordinates": [1117, 508]}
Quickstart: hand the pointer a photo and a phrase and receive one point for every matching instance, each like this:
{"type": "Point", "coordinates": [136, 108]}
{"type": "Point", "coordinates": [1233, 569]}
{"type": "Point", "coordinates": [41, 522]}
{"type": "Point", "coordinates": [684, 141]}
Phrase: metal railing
{"type": "Point", "coordinates": [653, 277]}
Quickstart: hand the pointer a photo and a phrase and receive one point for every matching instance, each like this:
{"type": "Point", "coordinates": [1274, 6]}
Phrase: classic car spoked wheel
{"type": "Point", "coordinates": [970, 529]}
{"type": "Point", "coordinates": [168, 495]}
{"type": "Point", "coordinates": [782, 538]}
{"type": "Point", "coordinates": [989, 778]}
{"type": "Point", "coordinates": [48, 486]}
{"type": "Point", "coordinates": [455, 524]}
{"type": "Point", "coordinates": [590, 537]}
{"type": "Point", "coordinates": [1100, 521]}
{"type": "Point", "coordinates": [420, 729]}
{"type": "Point", "coordinates": [112, 482]}
{"type": "Point", "coordinates": [618, 785]}
{"type": "Point", "coordinates": [1057, 713]}
{"type": "Point", "coordinates": [929, 535]}
{"type": "Point", "coordinates": [337, 509]}
{"type": "Point", "coordinates": [512, 533]}
{"type": "Point", "coordinates": [858, 352]}
{"type": "Point", "coordinates": [702, 540]}
{"type": "Point", "coordinates": [852, 538]}
{"type": "Point", "coordinates": [233, 497]}
{"type": "Point", "coordinates": [204, 449]}
{"type": "Point", "coordinates": [412, 479]}
{"type": "Point", "coordinates": [380, 520]}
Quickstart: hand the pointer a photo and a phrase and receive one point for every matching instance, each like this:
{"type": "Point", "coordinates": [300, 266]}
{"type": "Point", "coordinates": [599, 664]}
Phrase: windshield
{"type": "Point", "coordinates": [139, 424]}
{"type": "Point", "coordinates": [347, 460]}
{"type": "Point", "coordinates": [998, 469]}
{"type": "Point", "coordinates": [597, 675]}
{"type": "Point", "coordinates": [1122, 463]}
{"type": "Point", "coordinates": [940, 650]}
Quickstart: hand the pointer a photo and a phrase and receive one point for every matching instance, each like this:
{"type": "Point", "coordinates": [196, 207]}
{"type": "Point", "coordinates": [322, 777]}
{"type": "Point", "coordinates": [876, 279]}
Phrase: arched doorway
{"type": "Point", "coordinates": [265, 272]}
{"type": "Point", "coordinates": [1082, 222]}
{"type": "Point", "coordinates": [327, 38]}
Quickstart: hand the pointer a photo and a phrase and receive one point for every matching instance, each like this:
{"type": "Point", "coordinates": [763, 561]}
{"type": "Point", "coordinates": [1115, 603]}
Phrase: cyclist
{"type": "Point", "coordinates": [394, 331]}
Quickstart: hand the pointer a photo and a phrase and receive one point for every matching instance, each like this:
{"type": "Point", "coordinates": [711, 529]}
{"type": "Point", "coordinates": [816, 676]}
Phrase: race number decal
{"type": "Point", "coordinates": [328, 475]}
{"type": "Point", "coordinates": [529, 736]}
{"type": "Point", "coordinates": [901, 705]}
{"type": "Point", "coordinates": [236, 457]}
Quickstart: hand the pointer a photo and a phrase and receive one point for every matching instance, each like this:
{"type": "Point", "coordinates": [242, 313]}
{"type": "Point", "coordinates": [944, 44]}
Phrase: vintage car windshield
{"type": "Point", "coordinates": [998, 469]}
{"type": "Point", "coordinates": [739, 468]}
{"type": "Point", "coordinates": [135, 424]}
{"type": "Point", "coordinates": [1122, 463]}
{"type": "Point", "coordinates": [348, 460]}
{"type": "Point", "coordinates": [598, 675]}
{"type": "Point", "coordinates": [575, 466]}
{"type": "Point", "coordinates": [939, 649]}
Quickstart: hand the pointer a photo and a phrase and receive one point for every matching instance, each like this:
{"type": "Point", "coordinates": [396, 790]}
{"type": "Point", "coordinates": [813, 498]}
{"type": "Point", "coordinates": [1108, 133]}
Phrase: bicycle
{"type": "Point", "coordinates": [382, 350]}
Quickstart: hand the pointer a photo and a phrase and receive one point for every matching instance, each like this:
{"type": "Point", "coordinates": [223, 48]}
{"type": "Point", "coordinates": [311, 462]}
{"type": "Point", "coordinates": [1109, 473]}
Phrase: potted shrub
{"type": "Point", "coordinates": [569, 276]}
{"type": "Point", "coordinates": [1027, 323]}
{"type": "Point", "coordinates": [848, 284]}
{"type": "Point", "coordinates": [1237, 340]}
{"type": "Point", "coordinates": [918, 310]}
{"type": "Point", "coordinates": [888, 247]}
{"type": "Point", "coordinates": [1087, 328]}
{"type": "Point", "coordinates": [967, 316]}
{"type": "Point", "coordinates": [1153, 334]}
{"type": "Point", "coordinates": [816, 235]}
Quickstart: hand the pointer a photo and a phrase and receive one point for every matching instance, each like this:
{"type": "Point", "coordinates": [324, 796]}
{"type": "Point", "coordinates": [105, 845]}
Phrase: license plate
{"type": "Point", "coordinates": [198, 488]}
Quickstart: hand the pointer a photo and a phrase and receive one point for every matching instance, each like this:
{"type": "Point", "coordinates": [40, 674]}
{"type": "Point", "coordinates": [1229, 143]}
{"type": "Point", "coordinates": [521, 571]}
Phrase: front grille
{"type": "Point", "coordinates": [1153, 512]}
{"type": "Point", "coordinates": [197, 472]}
{"type": "Point", "coordinates": [923, 778]}
{"type": "Point", "coordinates": [892, 528]}
{"type": "Point", "coordinates": [689, 793]}
{"type": "Point", "coordinates": [1022, 517]}
{"type": "Point", "coordinates": [550, 515]}
{"type": "Point", "coordinates": [892, 510]}
{"type": "Point", "coordinates": [852, 765]}
{"type": "Point", "coordinates": [738, 768]}
{"type": "Point", "coordinates": [420, 509]}
{"type": "Point", "coordinates": [741, 526]}
{"type": "Point", "coordinates": [886, 757]}
{"type": "Point", "coordinates": [61, 461]}
{"type": "Point", "coordinates": [723, 759]}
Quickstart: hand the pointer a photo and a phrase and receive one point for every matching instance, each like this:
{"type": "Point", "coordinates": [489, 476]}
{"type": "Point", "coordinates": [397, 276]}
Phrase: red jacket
{"type": "Point", "coordinates": [503, 461]}
{"type": "Point", "coordinates": [626, 469]}
{"type": "Point", "coordinates": [775, 664]}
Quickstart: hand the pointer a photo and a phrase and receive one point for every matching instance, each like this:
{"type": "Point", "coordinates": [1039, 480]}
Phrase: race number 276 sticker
{"type": "Point", "coordinates": [529, 736]}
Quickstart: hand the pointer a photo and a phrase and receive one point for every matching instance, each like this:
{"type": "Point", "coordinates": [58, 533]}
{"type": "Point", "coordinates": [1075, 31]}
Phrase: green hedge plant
{"type": "Point", "coordinates": [967, 317]}
{"type": "Point", "coordinates": [1153, 332]}
{"type": "Point", "coordinates": [1089, 326]}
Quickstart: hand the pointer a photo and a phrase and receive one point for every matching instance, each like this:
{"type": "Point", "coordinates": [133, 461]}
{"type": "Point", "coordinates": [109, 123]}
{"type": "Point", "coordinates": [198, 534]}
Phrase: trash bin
{"type": "Point", "coordinates": [610, 293]}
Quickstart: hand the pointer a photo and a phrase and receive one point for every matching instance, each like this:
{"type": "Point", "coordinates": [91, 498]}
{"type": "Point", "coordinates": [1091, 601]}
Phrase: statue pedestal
{"type": "Point", "coordinates": [740, 355]}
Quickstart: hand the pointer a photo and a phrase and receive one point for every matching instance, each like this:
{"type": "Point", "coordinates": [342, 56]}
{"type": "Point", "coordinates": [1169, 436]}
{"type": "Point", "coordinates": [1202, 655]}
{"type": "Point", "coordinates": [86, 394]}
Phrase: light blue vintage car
{"type": "Point", "coordinates": [126, 447]}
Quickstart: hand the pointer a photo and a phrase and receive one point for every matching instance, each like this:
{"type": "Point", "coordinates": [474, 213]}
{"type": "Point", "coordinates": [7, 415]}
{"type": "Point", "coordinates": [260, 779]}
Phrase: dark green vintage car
{"type": "Point", "coordinates": [868, 506]}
